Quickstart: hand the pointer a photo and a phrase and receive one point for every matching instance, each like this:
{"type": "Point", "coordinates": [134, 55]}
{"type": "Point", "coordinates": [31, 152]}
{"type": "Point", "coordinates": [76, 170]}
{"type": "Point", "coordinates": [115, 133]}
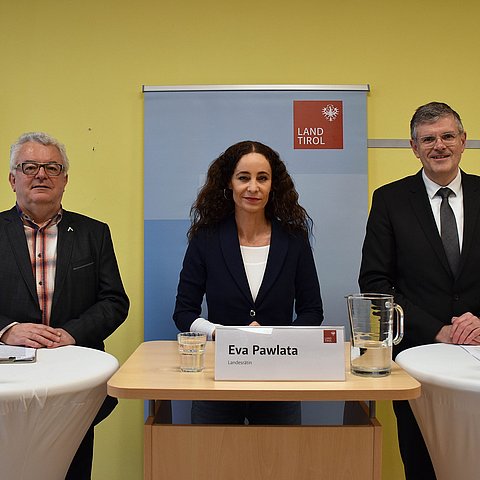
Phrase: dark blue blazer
{"type": "Point", "coordinates": [403, 255]}
{"type": "Point", "coordinates": [89, 300]}
{"type": "Point", "coordinates": [213, 267]}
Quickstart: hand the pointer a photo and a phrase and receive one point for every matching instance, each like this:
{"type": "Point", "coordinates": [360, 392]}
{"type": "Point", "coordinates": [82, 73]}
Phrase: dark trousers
{"type": "Point", "coordinates": [255, 413]}
{"type": "Point", "coordinates": [415, 456]}
{"type": "Point", "coordinates": [81, 466]}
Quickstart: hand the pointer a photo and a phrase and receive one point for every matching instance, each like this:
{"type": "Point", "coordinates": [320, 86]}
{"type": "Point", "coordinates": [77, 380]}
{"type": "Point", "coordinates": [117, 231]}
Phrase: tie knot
{"type": "Point", "coordinates": [444, 192]}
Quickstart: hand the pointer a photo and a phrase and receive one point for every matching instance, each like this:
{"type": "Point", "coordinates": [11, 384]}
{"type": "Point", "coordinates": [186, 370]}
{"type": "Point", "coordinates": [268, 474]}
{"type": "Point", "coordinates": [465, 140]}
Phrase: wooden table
{"type": "Point", "coordinates": [237, 452]}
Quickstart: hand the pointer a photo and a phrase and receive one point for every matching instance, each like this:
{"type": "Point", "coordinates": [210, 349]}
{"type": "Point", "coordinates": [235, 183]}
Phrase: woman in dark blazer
{"type": "Point", "coordinates": [249, 255]}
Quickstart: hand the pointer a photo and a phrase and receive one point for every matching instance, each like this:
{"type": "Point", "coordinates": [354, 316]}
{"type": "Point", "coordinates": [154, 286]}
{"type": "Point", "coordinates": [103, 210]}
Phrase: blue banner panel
{"type": "Point", "coordinates": [321, 136]}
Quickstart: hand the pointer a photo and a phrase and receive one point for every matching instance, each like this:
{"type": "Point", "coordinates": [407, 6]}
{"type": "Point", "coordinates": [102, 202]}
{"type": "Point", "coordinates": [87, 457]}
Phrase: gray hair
{"type": "Point", "coordinates": [37, 137]}
{"type": "Point", "coordinates": [431, 113]}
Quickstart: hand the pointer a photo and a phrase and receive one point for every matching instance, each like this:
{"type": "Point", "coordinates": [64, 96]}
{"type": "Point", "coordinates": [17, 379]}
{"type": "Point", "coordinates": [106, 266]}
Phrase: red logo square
{"type": "Point", "coordinates": [317, 124]}
{"type": "Point", "coordinates": [329, 336]}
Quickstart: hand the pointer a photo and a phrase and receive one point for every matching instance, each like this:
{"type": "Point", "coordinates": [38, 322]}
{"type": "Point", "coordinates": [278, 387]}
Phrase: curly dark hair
{"type": "Point", "coordinates": [213, 204]}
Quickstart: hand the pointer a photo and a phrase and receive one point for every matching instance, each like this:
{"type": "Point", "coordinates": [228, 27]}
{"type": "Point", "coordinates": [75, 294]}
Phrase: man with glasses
{"type": "Point", "coordinates": [421, 245]}
{"type": "Point", "coordinates": [60, 283]}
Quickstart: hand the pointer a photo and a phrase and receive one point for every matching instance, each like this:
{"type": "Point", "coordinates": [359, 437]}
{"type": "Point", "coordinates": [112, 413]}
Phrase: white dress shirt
{"type": "Point", "coordinates": [455, 200]}
{"type": "Point", "coordinates": [255, 262]}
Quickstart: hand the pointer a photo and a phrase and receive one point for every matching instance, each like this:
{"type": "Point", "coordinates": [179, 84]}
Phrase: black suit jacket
{"type": "Point", "coordinates": [89, 300]}
{"type": "Point", "coordinates": [213, 266]}
{"type": "Point", "coordinates": [403, 255]}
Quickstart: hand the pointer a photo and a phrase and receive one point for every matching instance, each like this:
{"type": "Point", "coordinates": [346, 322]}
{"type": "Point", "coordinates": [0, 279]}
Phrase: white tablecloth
{"type": "Point", "coordinates": [448, 411]}
{"type": "Point", "coordinates": [46, 408]}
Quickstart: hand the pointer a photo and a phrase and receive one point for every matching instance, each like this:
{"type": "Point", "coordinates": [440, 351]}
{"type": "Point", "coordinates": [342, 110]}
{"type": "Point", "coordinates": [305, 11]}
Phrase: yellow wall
{"type": "Point", "coordinates": [75, 69]}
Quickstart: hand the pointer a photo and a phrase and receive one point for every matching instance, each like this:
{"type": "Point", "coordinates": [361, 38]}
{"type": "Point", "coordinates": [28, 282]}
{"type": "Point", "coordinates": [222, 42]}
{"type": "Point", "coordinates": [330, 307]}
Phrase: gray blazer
{"type": "Point", "coordinates": [89, 300]}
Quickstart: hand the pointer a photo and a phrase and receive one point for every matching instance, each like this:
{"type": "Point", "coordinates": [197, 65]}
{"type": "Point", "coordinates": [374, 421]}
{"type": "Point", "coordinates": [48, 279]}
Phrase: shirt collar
{"type": "Point", "coordinates": [29, 222]}
{"type": "Point", "coordinates": [432, 188]}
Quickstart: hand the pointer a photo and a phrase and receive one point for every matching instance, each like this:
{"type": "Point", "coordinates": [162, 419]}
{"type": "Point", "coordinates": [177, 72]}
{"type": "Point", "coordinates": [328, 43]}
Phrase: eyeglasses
{"type": "Point", "coordinates": [447, 139]}
{"type": "Point", "coordinates": [32, 168]}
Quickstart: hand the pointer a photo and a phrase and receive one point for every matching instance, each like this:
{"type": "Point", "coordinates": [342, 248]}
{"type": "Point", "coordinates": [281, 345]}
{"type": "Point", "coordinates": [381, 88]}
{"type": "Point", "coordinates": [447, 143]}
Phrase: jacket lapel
{"type": "Point", "coordinates": [65, 241]}
{"type": "Point", "coordinates": [16, 236]}
{"type": "Point", "coordinates": [471, 211]}
{"type": "Point", "coordinates": [423, 211]}
{"type": "Point", "coordinates": [232, 256]}
{"type": "Point", "coordinates": [276, 259]}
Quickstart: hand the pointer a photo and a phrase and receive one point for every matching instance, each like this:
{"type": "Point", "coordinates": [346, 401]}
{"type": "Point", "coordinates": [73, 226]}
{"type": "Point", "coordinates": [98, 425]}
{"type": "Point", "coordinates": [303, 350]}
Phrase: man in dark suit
{"type": "Point", "coordinates": [60, 283]}
{"type": "Point", "coordinates": [429, 263]}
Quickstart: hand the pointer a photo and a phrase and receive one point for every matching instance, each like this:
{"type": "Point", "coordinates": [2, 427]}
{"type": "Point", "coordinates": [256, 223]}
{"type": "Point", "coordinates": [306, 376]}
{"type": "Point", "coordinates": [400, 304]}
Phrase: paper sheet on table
{"type": "Point", "coordinates": [472, 350]}
{"type": "Point", "coordinates": [12, 354]}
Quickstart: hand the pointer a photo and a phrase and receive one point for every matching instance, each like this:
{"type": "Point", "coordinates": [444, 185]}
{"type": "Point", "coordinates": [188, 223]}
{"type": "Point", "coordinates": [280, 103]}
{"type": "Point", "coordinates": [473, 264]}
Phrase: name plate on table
{"type": "Point", "coordinates": [279, 353]}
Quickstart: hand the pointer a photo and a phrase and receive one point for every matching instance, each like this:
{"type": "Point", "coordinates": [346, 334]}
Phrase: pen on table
{"type": "Point", "coordinates": [7, 359]}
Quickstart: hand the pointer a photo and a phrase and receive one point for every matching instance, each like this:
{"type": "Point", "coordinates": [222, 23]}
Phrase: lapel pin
{"type": "Point", "coordinates": [69, 229]}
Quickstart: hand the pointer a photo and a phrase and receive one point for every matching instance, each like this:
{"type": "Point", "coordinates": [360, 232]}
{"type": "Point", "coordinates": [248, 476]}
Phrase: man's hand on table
{"type": "Point", "coordinates": [37, 335]}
